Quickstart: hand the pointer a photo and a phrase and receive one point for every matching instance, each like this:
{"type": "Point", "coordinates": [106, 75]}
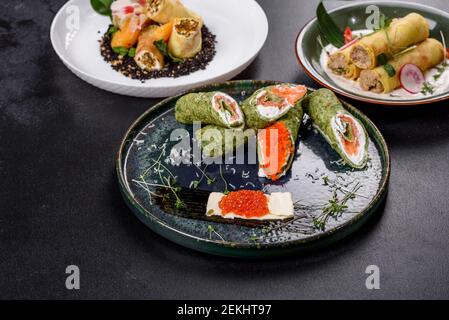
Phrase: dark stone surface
{"type": "Point", "coordinates": [60, 205]}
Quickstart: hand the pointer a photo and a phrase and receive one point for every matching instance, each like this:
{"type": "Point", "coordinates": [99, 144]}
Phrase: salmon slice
{"type": "Point", "coordinates": [292, 93]}
{"type": "Point", "coordinates": [351, 143]}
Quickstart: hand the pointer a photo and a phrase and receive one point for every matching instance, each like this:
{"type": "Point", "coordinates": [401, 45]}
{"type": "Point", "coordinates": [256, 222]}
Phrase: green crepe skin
{"type": "Point", "coordinates": [292, 120]}
{"type": "Point", "coordinates": [321, 106]}
{"type": "Point", "coordinates": [198, 107]}
{"type": "Point", "coordinates": [226, 145]}
{"type": "Point", "coordinates": [252, 118]}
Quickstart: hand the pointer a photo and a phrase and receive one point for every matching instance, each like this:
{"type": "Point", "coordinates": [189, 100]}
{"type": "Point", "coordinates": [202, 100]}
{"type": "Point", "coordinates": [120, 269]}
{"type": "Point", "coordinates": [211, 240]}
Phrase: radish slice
{"type": "Point", "coordinates": [411, 78]}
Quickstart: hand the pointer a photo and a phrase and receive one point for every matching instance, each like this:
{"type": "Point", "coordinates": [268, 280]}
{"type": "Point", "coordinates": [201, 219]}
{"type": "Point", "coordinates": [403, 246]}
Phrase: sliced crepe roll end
{"type": "Point", "coordinates": [186, 38]}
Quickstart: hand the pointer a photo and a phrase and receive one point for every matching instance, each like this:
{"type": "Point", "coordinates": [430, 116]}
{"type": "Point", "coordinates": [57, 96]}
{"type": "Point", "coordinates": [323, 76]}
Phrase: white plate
{"type": "Point", "coordinates": [241, 27]}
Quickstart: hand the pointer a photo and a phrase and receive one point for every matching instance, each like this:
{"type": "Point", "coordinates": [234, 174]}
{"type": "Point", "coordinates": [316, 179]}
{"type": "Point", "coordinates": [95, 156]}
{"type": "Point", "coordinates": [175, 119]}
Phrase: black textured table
{"type": "Point", "coordinates": [60, 204]}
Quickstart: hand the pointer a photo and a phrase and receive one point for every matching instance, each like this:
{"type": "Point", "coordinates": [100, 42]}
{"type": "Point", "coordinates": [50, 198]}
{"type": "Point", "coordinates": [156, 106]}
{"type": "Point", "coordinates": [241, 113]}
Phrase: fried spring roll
{"type": "Point", "coordinates": [148, 57]}
{"type": "Point", "coordinates": [163, 11]}
{"type": "Point", "coordinates": [185, 40]}
{"type": "Point", "coordinates": [401, 34]}
{"type": "Point", "coordinates": [340, 63]}
{"type": "Point", "coordinates": [425, 56]}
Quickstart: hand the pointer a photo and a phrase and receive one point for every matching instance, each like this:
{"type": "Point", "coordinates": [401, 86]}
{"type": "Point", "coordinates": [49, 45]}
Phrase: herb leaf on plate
{"type": "Point", "coordinates": [161, 45]}
{"type": "Point", "coordinates": [330, 31]}
{"type": "Point", "coordinates": [102, 7]}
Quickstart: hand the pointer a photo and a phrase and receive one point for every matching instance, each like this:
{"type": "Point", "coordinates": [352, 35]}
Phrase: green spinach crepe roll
{"type": "Point", "coordinates": [209, 108]}
{"type": "Point", "coordinates": [216, 141]}
{"type": "Point", "coordinates": [342, 130]}
{"type": "Point", "coordinates": [268, 104]}
{"type": "Point", "coordinates": [276, 145]}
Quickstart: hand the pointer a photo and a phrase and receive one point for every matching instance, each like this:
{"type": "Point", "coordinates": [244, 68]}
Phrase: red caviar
{"type": "Point", "coordinates": [245, 203]}
{"type": "Point", "coordinates": [351, 147]}
{"type": "Point", "coordinates": [282, 147]}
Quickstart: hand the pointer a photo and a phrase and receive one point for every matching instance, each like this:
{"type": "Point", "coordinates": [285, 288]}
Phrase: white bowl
{"type": "Point", "coordinates": [241, 27]}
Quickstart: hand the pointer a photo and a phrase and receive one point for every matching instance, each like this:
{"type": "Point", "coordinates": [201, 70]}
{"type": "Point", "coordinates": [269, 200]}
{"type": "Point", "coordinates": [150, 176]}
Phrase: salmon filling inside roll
{"type": "Point", "coordinates": [350, 137]}
{"type": "Point", "coordinates": [278, 99]}
{"type": "Point", "coordinates": [228, 108]}
{"type": "Point", "coordinates": [275, 146]}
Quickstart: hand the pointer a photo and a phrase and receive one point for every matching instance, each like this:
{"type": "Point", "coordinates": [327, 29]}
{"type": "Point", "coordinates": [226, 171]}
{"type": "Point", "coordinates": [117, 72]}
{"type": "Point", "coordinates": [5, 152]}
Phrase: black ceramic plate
{"type": "Point", "coordinates": [316, 172]}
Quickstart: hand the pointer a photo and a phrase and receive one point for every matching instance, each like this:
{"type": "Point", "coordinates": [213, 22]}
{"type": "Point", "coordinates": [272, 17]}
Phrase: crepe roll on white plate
{"type": "Point", "coordinates": [163, 11]}
{"type": "Point", "coordinates": [250, 205]}
{"type": "Point", "coordinates": [186, 39]}
{"type": "Point", "coordinates": [148, 57]}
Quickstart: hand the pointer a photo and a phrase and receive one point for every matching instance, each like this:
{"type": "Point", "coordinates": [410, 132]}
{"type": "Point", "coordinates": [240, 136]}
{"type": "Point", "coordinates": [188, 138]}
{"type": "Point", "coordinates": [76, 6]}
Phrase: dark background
{"type": "Point", "coordinates": [60, 204]}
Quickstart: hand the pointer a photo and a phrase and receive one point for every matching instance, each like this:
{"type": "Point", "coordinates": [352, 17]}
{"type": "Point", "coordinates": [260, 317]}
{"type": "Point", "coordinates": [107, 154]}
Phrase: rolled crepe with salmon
{"type": "Point", "coordinates": [186, 39]}
{"type": "Point", "coordinates": [344, 133]}
{"type": "Point", "coordinates": [340, 63]}
{"type": "Point", "coordinates": [129, 33]}
{"type": "Point", "coordinates": [215, 107]}
{"type": "Point", "coordinates": [401, 34]}
{"type": "Point", "coordinates": [148, 57]}
{"type": "Point", "coordinates": [276, 145]}
{"type": "Point", "coordinates": [216, 141]}
{"type": "Point", "coordinates": [268, 104]}
{"type": "Point", "coordinates": [425, 56]}
{"type": "Point", "coordinates": [163, 11]}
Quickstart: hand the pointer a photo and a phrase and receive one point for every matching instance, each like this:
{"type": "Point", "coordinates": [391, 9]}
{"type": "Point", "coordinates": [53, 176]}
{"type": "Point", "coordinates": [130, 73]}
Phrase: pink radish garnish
{"type": "Point", "coordinates": [411, 78]}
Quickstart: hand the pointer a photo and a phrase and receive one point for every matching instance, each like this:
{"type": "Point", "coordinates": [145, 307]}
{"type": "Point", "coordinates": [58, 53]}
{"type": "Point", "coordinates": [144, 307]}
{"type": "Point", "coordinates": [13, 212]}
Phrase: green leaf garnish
{"type": "Point", "coordinates": [112, 30]}
{"type": "Point", "coordinates": [120, 50]}
{"type": "Point", "coordinates": [102, 7]}
{"type": "Point", "coordinates": [330, 31]}
{"type": "Point", "coordinates": [161, 45]}
{"type": "Point", "coordinates": [390, 70]}
{"type": "Point", "coordinates": [132, 52]}
{"type": "Point", "coordinates": [382, 59]}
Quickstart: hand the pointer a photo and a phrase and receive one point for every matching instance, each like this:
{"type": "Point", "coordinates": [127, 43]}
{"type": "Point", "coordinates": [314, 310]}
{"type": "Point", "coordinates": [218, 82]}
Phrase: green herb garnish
{"type": "Point", "coordinates": [427, 88]}
{"type": "Point", "coordinates": [211, 231]}
{"type": "Point", "coordinates": [382, 59]}
{"type": "Point", "coordinates": [440, 70]}
{"type": "Point", "coordinates": [102, 7]}
{"type": "Point", "coordinates": [120, 50]}
{"type": "Point", "coordinates": [112, 30]}
{"type": "Point", "coordinates": [132, 52]}
{"type": "Point", "coordinates": [161, 45]}
{"type": "Point", "coordinates": [390, 70]}
{"type": "Point", "coordinates": [335, 207]}
{"type": "Point", "coordinates": [226, 191]}
{"type": "Point", "coordinates": [329, 29]}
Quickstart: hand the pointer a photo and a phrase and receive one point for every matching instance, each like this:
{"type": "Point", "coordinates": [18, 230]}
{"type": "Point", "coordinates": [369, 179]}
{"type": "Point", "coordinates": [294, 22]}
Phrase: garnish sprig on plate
{"type": "Point", "coordinates": [167, 181]}
{"type": "Point", "coordinates": [335, 206]}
